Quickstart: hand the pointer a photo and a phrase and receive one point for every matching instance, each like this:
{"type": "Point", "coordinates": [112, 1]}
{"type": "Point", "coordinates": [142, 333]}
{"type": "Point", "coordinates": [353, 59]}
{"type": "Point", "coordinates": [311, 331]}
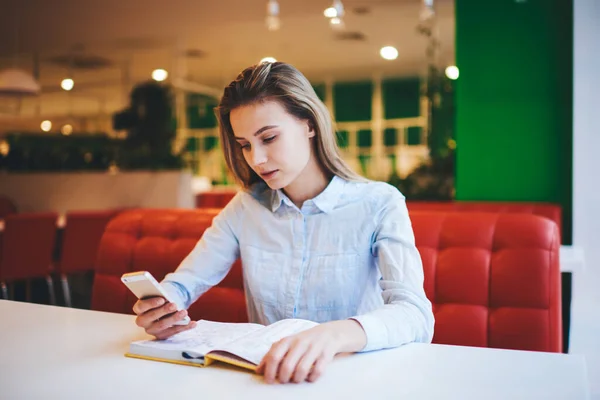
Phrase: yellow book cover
{"type": "Point", "coordinates": [240, 344]}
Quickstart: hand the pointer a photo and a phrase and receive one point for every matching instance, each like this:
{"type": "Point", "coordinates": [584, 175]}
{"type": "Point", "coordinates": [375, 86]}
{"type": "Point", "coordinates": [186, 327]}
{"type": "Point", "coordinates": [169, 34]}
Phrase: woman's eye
{"type": "Point", "coordinates": [269, 139]}
{"type": "Point", "coordinates": [245, 146]}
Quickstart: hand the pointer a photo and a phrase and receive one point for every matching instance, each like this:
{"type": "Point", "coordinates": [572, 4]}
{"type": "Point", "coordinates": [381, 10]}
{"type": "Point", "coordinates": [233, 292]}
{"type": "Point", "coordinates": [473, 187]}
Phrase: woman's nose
{"type": "Point", "coordinates": [258, 156]}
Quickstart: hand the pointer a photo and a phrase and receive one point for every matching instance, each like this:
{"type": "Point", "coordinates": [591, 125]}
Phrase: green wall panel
{"type": "Point", "coordinates": [353, 101]}
{"type": "Point", "coordinates": [320, 90]}
{"type": "Point", "coordinates": [514, 102]}
{"type": "Point", "coordinates": [390, 137]}
{"type": "Point", "coordinates": [200, 112]}
{"type": "Point", "coordinates": [343, 139]}
{"type": "Point", "coordinates": [401, 97]}
{"type": "Point", "coordinates": [364, 138]}
{"type": "Point", "coordinates": [414, 135]}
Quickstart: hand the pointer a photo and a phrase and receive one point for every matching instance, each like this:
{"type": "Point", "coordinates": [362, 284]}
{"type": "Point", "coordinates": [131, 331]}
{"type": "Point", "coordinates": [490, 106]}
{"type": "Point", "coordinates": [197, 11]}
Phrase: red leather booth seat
{"type": "Point", "coordinates": [157, 241]}
{"type": "Point", "coordinates": [493, 279]}
{"type": "Point", "coordinates": [214, 199]}
{"type": "Point", "coordinates": [548, 210]}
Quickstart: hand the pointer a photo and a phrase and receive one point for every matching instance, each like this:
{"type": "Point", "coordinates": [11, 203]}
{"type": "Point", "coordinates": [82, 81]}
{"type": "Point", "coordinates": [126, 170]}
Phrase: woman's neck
{"type": "Point", "coordinates": [308, 185]}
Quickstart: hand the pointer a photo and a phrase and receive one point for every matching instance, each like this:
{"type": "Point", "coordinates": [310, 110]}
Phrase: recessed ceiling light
{"type": "Point", "coordinates": [330, 12]}
{"type": "Point", "coordinates": [159, 75]}
{"type": "Point", "coordinates": [268, 60]}
{"type": "Point", "coordinates": [66, 129]}
{"type": "Point", "coordinates": [389, 52]}
{"type": "Point", "coordinates": [452, 72]}
{"type": "Point", "coordinates": [46, 126]}
{"type": "Point", "coordinates": [67, 84]}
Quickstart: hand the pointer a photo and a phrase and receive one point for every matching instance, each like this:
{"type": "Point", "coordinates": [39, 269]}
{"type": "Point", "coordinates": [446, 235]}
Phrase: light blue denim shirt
{"type": "Point", "coordinates": [348, 253]}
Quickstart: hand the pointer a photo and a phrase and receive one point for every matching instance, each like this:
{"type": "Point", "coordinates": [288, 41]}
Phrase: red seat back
{"type": "Point", "coordinates": [157, 241]}
{"type": "Point", "coordinates": [81, 238]}
{"type": "Point", "coordinates": [494, 279]}
{"type": "Point", "coordinates": [214, 199]}
{"type": "Point", "coordinates": [28, 244]}
{"type": "Point", "coordinates": [548, 210]}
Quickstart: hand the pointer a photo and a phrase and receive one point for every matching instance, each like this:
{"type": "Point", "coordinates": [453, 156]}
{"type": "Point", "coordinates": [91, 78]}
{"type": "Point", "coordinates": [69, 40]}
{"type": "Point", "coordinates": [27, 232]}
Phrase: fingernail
{"type": "Point", "coordinates": [160, 301]}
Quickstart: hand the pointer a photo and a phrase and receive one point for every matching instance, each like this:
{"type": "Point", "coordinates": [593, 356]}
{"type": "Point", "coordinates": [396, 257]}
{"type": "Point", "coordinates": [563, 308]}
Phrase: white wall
{"type": "Point", "coordinates": [585, 327]}
{"type": "Point", "coordinates": [62, 192]}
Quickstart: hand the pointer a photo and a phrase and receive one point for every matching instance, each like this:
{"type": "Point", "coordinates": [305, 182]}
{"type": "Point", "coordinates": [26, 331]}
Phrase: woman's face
{"type": "Point", "coordinates": [275, 144]}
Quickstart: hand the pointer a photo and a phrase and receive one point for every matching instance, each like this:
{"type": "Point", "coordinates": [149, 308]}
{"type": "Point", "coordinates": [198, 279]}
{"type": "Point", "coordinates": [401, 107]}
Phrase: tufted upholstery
{"type": "Point", "coordinates": [214, 199]}
{"type": "Point", "coordinates": [493, 278]}
{"type": "Point", "coordinates": [548, 210]}
{"type": "Point", "coordinates": [157, 241]}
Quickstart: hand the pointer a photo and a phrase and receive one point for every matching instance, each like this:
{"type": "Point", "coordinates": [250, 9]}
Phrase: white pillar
{"type": "Point", "coordinates": [585, 322]}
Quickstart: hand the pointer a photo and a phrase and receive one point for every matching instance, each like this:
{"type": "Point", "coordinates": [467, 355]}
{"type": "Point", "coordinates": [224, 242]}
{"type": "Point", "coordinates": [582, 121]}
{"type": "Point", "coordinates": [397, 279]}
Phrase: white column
{"type": "Point", "coordinates": [585, 322]}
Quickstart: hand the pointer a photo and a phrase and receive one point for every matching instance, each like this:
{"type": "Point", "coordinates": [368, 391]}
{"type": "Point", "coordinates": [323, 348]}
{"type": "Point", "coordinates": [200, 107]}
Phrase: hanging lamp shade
{"type": "Point", "coordinates": [16, 82]}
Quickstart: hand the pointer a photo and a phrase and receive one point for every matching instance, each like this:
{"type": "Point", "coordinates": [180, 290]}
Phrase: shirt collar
{"type": "Point", "coordinates": [325, 201]}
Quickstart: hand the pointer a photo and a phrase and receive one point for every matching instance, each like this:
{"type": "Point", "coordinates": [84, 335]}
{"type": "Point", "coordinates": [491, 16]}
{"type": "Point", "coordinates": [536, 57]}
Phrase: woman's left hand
{"type": "Point", "coordinates": [305, 355]}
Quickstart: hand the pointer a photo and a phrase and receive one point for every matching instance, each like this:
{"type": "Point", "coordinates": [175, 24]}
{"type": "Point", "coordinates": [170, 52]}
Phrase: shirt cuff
{"type": "Point", "coordinates": [375, 330]}
{"type": "Point", "coordinates": [175, 294]}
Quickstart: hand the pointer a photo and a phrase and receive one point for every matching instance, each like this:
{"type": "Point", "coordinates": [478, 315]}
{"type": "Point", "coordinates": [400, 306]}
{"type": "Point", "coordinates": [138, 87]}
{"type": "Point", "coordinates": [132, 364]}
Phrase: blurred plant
{"type": "Point", "coordinates": [434, 178]}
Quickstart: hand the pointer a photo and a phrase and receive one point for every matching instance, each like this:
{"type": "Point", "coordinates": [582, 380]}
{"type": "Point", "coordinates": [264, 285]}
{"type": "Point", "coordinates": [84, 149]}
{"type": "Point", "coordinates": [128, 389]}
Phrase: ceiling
{"type": "Point", "coordinates": [117, 43]}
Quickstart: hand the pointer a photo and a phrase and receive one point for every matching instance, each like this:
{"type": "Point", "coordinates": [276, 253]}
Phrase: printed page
{"type": "Point", "coordinates": [255, 345]}
{"type": "Point", "coordinates": [206, 336]}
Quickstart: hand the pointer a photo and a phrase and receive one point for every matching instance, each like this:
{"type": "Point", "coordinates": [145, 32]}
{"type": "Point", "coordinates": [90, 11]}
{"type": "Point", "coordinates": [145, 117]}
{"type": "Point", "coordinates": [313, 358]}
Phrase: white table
{"type": "Point", "coordinates": [51, 352]}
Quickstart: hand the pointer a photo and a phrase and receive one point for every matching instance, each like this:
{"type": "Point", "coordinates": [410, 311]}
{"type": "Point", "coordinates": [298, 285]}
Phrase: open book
{"type": "Point", "coordinates": [240, 344]}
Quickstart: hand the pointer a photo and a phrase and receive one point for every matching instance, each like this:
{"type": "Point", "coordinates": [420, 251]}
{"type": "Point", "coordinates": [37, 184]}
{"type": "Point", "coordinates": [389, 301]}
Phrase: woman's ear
{"type": "Point", "coordinates": [311, 130]}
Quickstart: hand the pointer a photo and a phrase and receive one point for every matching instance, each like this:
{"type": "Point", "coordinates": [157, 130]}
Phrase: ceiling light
{"type": "Point", "coordinates": [67, 84]}
{"type": "Point", "coordinates": [46, 126]}
{"type": "Point", "coordinates": [15, 81]}
{"type": "Point", "coordinates": [452, 72]}
{"type": "Point", "coordinates": [66, 129]}
{"type": "Point", "coordinates": [272, 19]}
{"type": "Point", "coordinates": [330, 12]}
{"type": "Point", "coordinates": [159, 75]}
{"type": "Point", "coordinates": [268, 60]}
{"type": "Point", "coordinates": [338, 7]}
{"type": "Point", "coordinates": [389, 52]}
{"type": "Point", "coordinates": [4, 148]}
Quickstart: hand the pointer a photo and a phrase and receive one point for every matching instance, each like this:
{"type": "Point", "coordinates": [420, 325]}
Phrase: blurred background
{"type": "Point", "coordinates": [109, 105]}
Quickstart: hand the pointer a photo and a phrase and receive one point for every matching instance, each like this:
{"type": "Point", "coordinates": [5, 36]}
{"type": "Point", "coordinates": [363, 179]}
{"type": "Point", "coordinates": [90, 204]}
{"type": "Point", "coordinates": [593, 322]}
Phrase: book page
{"type": "Point", "coordinates": [255, 345]}
{"type": "Point", "coordinates": [206, 336]}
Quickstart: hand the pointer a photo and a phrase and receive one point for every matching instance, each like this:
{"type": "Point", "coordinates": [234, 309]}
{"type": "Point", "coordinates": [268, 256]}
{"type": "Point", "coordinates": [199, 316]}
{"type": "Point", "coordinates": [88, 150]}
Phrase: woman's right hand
{"type": "Point", "coordinates": [151, 315]}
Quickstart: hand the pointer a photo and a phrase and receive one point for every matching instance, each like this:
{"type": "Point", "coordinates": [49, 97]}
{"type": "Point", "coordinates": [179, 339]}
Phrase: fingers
{"type": "Point", "coordinates": [142, 306]}
{"type": "Point", "coordinates": [304, 366]}
{"type": "Point", "coordinates": [294, 361]}
{"type": "Point", "coordinates": [148, 318]}
{"type": "Point", "coordinates": [175, 329]}
{"type": "Point", "coordinates": [318, 368]}
{"type": "Point", "coordinates": [162, 324]}
{"type": "Point", "coordinates": [270, 363]}
{"type": "Point", "coordinates": [288, 367]}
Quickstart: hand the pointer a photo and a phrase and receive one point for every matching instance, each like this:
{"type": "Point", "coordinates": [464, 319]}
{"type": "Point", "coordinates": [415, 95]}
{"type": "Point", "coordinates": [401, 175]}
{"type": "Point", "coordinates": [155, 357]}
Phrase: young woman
{"type": "Point", "coordinates": [317, 241]}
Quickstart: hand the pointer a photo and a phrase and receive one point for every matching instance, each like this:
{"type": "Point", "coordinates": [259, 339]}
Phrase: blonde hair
{"type": "Point", "coordinates": [283, 83]}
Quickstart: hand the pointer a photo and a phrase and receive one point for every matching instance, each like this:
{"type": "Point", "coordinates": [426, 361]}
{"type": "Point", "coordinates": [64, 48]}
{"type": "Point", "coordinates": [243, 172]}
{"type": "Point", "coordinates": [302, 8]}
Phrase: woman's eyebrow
{"type": "Point", "coordinates": [258, 132]}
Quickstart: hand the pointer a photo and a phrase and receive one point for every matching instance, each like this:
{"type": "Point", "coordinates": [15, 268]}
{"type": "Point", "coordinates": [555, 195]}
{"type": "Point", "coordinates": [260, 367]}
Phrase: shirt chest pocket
{"type": "Point", "coordinates": [334, 281]}
{"type": "Point", "coordinates": [264, 274]}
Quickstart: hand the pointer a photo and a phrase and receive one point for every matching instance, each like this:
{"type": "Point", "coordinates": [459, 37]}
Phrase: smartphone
{"type": "Point", "coordinates": [143, 285]}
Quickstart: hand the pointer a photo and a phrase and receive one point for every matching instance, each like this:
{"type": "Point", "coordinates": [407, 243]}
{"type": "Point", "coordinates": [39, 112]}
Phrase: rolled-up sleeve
{"type": "Point", "coordinates": [210, 260]}
{"type": "Point", "coordinates": [407, 314]}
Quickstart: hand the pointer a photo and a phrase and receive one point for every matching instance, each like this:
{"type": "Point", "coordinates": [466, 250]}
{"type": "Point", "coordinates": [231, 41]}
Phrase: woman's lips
{"type": "Point", "coordinates": [268, 175]}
